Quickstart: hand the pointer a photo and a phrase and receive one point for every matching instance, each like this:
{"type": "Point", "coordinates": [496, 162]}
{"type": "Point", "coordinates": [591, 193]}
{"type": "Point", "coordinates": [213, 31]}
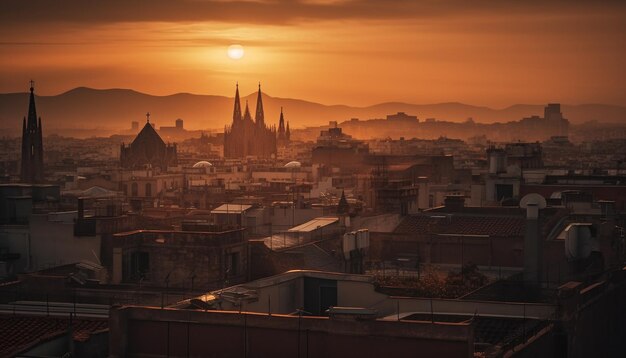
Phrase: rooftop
{"type": "Point", "coordinates": [231, 209]}
{"type": "Point", "coordinates": [463, 225]}
{"type": "Point", "coordinates": [314, 224]}
{"type": "Point", "coordinates": [22, 333]}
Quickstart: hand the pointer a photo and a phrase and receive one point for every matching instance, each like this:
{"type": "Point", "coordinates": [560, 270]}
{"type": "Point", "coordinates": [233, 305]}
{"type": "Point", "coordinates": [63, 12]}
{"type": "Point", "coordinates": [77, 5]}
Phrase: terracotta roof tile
{"type": "Point", "coordinates": [497, 226]}
{"type": "Point", "coordinates": [19, 333]}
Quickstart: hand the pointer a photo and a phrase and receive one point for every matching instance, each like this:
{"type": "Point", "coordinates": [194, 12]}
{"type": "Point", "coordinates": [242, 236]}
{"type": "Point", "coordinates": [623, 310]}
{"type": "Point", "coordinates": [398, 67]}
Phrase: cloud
{"type": "Point", "coordinates": [275, 11]}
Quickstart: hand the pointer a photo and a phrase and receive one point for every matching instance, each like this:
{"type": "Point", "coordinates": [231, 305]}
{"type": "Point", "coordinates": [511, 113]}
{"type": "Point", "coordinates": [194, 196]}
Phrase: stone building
{"type": "Point", "coordinates": [148, 149]}
{"type": "Point", "coordinates": [183, 259]}
{"type": "Point", "coordinates": [246, 137]}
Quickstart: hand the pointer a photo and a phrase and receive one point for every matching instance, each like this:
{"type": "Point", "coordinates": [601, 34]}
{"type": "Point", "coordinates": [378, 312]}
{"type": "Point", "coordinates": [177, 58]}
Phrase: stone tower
{"type": "Point", "coordinates": [32, 144]}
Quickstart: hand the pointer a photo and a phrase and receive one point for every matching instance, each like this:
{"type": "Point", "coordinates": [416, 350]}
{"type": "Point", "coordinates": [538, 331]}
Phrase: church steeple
{"type": "Point", "coordinates": [259, 117]}
{"type": "Point", "coordinates": [246, 115]}
{"type": "Point", "coordinates": [287, 132]}
{"type": "Point", "coordinates": [343, 207]}
{"type": "Point", "coordinates": [237, 109]}
{"type": "Point", "coordinates": [32, 111]}
{"type": "Point", "coordinates": [281, 125]}
{"type": "Point", "coordinates": [32, 144]}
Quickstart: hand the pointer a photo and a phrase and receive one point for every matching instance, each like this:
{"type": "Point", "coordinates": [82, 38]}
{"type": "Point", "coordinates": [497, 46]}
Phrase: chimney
{"type": "Point", "coordinates": [533, 255]}
{"type": "Point", "coordinates": [454, 202]}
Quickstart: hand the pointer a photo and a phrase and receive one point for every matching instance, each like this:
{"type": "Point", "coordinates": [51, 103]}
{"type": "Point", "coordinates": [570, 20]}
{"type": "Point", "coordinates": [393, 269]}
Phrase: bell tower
{"type": "Point", "coordinates": [32, 144]}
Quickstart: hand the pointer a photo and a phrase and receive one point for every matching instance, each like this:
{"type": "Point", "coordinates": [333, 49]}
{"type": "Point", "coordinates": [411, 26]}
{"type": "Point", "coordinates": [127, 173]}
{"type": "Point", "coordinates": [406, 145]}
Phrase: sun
{"type": "Point", "coordinates": [235, 51]}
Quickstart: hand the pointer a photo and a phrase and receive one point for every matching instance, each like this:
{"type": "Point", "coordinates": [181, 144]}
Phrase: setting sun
{"type": "Point", "coordinates": [235, 52]}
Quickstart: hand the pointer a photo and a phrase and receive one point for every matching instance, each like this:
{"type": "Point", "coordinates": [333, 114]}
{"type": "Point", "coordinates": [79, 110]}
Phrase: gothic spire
{"type": "Point", "coordinates": [32, 111]}
{"type": "Point", "coordinates": [32, 144]}
{"type": "Point", "coordinates": [247, 115]}
{"type": "Point", "coordinates": [343, 207]}
{"type": "Point", "coordinates": [259, 116]}
{"type": "Point", "coordinates": [287, 132]}
{"type": "Point", "coordinates": [237, 109]}
{"type": "Point", "coordinates": [281, 125]}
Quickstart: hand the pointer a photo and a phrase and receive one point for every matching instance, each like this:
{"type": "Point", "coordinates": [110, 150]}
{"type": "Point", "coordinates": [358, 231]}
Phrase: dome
{"type": "Point", "coordinates": [293, 164]}
{"type": "Point", "coordinates": [202, 164]}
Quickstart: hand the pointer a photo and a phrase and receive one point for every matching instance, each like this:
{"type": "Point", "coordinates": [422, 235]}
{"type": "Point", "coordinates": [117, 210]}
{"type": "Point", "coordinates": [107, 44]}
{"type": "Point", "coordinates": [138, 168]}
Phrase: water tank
{"type": "Point", "coordinates": [349, 243]}
{"type": "Point", "coordinates": [497, 161]}
{"type": "Point", "coordinates": [362, 239]}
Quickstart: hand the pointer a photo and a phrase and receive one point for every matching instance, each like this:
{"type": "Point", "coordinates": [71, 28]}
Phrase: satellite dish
{"type": "Point", "coordinates": [533, 198]}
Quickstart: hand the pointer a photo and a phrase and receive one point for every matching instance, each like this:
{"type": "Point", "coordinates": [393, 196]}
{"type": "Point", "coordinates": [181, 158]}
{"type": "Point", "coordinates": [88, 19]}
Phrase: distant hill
{"type": "Point", "coordinates": [112, 110]}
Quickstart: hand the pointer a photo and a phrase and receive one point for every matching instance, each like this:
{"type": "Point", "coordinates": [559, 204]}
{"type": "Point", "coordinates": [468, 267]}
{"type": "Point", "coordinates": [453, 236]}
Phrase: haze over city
{"type": "Point", "coordinates": [356, 53]}
{"type": "Point", "coordinates": [312, 178]}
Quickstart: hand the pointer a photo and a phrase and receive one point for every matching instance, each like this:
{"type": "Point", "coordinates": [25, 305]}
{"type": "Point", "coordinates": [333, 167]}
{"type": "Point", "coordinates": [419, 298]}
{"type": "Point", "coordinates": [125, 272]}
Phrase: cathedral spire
{"type": "Point", "coordinates": [281, 125]}
{"type": "Point", "coordinates": [246, 115]}
{"type": "Point", "coordinates": [259, 116]}
{"type": "Point", "coordinates": [287, 132]}
{"type": "Point", "coordinates": [237, 109]}
{"type": "Point", "coordinates": [32, 111]}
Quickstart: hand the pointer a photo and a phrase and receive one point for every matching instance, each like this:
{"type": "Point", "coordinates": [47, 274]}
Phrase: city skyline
{"type": "Point", "coordinates": [333, 52]}
{"type": "Point", "coordinates": [312, 178]}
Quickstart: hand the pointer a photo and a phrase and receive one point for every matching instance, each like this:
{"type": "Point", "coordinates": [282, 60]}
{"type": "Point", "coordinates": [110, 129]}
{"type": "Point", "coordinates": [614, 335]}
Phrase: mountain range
{"type": "Point", "coordinates": [107, 111]}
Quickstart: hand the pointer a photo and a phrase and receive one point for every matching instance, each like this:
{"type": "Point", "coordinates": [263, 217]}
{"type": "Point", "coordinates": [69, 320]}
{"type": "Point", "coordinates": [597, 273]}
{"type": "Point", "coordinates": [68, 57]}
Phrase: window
{"type": "Point", "coordinates": [148, 189]}
{"type": "Point", "coordinates": [139, 265]}
{"type": "Point", "coordinates": [504, 191]}
{"type": "Point", "coordinates": [232, 268]}
{"type": "Point", "coordinates": [134, 189]}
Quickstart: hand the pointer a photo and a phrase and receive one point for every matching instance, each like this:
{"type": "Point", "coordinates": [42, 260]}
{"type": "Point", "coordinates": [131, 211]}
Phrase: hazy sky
{"type": "Point", "coordinates": [492, 53]}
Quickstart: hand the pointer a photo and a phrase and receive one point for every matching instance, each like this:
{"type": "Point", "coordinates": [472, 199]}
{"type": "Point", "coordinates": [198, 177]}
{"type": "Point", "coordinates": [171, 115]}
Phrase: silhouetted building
{"type": "Point", "coordinates": [148, 149]}
{"type": "Point", "coordinates": [343, 207]}
{"type": "Point", "coordinates": [283, 134]}
{"type": "Point", "coordinates": [401, 116]}
{"type": "Point", "coordinates": [335, 148]}
{"type": "Point", "coordinates": [246, 137]}
{"type": "Point", "coordinates": [169, 131]}
{"type": "Point", "coordinates": [32, 144]}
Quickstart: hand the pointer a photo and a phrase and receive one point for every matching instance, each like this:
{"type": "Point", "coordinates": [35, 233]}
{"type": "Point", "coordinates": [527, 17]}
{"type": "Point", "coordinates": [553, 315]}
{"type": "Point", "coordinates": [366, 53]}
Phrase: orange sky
{"type": "Point", "coordinates": [350, 52]}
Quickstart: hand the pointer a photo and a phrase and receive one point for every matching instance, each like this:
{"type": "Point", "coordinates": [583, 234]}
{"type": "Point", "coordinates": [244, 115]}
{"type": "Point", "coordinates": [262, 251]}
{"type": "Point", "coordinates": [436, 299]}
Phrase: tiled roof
{"type": "Point", "coordinates": [497, 226]}
{"type": "Point", "coordinates": [19, 333]}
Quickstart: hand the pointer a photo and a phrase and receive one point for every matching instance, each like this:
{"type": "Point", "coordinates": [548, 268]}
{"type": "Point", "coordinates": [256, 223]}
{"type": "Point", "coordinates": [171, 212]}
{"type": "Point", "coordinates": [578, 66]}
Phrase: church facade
{"type": "Point", "coordinates": [148, 150]}
{"type": "Point", "coordinates": [32, 144]}
{"type": "Point", "coordinates": [246, 137]}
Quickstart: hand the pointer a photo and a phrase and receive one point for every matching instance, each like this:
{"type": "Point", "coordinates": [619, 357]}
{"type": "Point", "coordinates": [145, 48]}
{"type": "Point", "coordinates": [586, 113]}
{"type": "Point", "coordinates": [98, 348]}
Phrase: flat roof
{"type": "Point", "coordinates": [231, 209]}
{"type": "Point", "coordinates": [314, 224]}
